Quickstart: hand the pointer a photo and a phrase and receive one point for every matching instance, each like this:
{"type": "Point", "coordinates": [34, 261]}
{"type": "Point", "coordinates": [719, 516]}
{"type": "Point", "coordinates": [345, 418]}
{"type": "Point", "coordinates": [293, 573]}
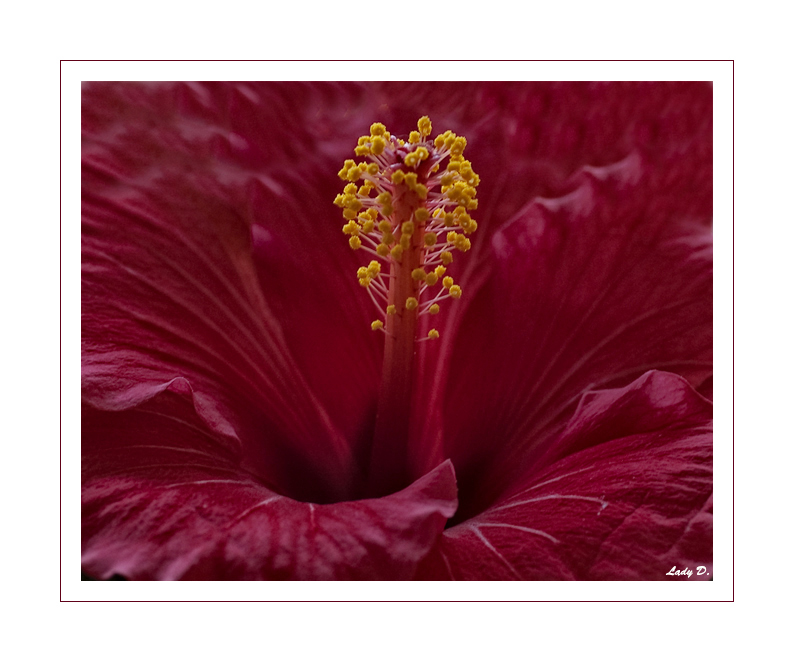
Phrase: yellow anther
{"type": "Point", "coordinates": [378, 209]}
{"type": "Point", "coordinates": [454, 192]}
{"type": "Point", "coordinates": [378, 145]}
{"type": "Point", "coordinates": [442, 139]}
{"type": "Point", "coordinates": [458, 146]}
{"type": "Point", "coordinates": [467, 173]}
{"type": "Point", "coordinates": [351, 228]}
{"type": "Point", "coordinates": [433, 334]}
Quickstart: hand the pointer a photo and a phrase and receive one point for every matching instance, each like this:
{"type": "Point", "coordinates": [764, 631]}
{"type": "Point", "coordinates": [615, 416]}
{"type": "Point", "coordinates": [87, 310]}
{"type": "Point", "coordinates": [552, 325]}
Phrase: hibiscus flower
{"type": "Point", "coordinates": [558, 419]}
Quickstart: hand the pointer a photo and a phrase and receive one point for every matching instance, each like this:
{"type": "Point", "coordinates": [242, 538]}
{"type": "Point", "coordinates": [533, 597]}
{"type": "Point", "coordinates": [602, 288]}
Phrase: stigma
{"type": "Point", "coordinates": [407, 208]}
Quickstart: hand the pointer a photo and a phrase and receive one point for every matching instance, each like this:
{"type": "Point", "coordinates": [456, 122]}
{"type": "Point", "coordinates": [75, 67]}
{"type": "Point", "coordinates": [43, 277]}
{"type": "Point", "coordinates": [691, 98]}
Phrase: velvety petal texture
{"type": "Point", "coordinates": [230, 377]}
{"type": "Point", "coordinates": [165, 498]}
{"type": "Point", "coordinates": [206, 264]}
{"type": "Point", "coordinates": [585, 291]}
{"type": "Point", "coordinates": [630, 499]}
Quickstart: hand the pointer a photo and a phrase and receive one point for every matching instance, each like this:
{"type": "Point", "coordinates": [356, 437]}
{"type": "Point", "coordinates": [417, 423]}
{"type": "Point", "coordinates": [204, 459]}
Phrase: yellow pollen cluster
{"type": "Point", "coordinates": [408, 203]}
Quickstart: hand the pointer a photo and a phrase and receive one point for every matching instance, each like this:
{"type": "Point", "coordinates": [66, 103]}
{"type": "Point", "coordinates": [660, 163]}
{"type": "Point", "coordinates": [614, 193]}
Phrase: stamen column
{"type": "Point", "coordinates": [400, 217]}
{"type": "Point", "coordinates": [388, 470]}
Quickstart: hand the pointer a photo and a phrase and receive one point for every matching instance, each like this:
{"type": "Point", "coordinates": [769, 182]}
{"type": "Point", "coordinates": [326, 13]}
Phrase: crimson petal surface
{"type": "Point", "coordinates": [632, 501]}
{"type": "Point", "coordinates": [230, 377]}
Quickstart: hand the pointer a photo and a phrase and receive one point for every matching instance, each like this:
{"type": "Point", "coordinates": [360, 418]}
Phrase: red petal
{"type": "Point", "coordinates": [586, 291]}
{"type": "Point", "coordinates": [214, 268]}
{"type": "Point", "coordinates": [527, 138]}
{"type": "Point", "coordinates": [166, 498]}
{"type": "Point", "coordinates": [631, 505]}
{"type": "Point", "coordinates": [175, 178]}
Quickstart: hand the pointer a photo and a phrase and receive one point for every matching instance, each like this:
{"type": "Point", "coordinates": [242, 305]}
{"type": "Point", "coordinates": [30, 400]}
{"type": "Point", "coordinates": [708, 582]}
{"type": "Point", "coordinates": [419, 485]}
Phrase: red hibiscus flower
{"type": "Point", "coordinates": [559, 427]}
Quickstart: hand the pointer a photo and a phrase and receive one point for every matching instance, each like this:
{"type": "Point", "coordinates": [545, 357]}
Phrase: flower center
{"type": "Point", "coordinates": [409, 214]}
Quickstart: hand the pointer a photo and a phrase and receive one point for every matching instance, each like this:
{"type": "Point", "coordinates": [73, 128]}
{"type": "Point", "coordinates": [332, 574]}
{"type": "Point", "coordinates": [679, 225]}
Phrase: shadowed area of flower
{"type": "Point", "coordinates": [231, 376]}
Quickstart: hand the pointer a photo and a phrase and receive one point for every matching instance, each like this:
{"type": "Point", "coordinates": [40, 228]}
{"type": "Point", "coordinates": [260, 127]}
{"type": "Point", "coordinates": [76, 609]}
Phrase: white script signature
{"type": "Point", "coordinates": [701, 570]}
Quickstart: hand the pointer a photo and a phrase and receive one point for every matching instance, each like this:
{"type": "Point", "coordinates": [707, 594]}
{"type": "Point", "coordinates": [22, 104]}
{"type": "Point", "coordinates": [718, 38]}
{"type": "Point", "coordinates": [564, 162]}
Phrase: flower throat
{"type": "Point", "coordinates": [408, 215]}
